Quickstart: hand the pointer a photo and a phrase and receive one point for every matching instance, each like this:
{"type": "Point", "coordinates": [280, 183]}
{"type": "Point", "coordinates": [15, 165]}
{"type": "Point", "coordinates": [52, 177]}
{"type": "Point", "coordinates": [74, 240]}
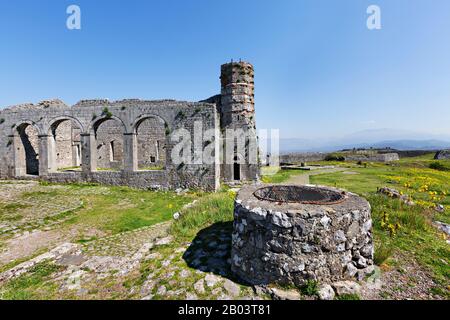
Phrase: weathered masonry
{"type": "Point", "coordinates": [130, 142]}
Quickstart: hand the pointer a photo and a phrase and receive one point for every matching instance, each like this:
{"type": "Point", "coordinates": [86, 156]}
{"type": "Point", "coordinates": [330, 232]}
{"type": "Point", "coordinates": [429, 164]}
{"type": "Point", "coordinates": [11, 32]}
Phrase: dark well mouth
{"type": "Point", "coordinates": [299, 194]}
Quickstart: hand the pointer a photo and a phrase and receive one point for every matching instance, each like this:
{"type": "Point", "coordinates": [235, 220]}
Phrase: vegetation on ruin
{"type": "Point", "coordinates": [152, 168]}
{"type": "Point", "coordinates": [106, 113]}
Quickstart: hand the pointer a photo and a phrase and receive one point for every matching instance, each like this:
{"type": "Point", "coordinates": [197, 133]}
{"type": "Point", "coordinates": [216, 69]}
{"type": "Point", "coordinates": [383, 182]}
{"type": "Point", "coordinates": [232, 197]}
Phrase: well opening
{"type": "Point", "coordinates": [299, 194]}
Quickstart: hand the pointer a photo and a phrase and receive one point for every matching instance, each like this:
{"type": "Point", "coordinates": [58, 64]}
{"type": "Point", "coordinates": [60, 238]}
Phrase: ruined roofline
{"type": "Point", "coordinates": [131, 102]}
{"type": "Point", "coordinates": [44, 104]}
{"type": "Point", "coordinates": [98, 103]}
{"type": "Point", "coordinates": [238, 63]}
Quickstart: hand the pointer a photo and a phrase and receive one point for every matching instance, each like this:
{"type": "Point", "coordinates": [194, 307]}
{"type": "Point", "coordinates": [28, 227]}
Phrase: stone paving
{"type": "Point", "coordinates": [155, 264]}
{"type": "Point", "coordinates": [37, 209]}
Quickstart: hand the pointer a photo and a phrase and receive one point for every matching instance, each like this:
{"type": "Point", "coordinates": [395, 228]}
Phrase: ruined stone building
{"type": "Point", "coordinates": [130, 142]}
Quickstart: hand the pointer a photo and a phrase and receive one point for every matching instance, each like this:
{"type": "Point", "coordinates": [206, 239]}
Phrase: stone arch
{"type": "Point", "coordinates": [15, 127]}
{"type": "Point", "coordinates": [65, 118]}
{"type": "Point", "coordinates": [151, 142]}
{"type": "Point", "coordinates": [145, 116]}
{"type": "Point", "coordinates": [95, 123]}
{"type": "Point", "coordinates": [108, 149]}
{"type": "Point", "coordinates": [64, 143]}
{"type": "Point", "coordinates": [26, 137]}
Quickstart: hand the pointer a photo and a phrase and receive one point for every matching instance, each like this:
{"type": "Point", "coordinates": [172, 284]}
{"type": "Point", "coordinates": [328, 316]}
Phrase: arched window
{"type": "Point", "coordinates": [65, 146]}
{"type": "Point", "coordinates": [27, 150]}
{"type": "Point", "coordinates": [151, 144]}
{"type": "Point", "coordinates": [109, 138]}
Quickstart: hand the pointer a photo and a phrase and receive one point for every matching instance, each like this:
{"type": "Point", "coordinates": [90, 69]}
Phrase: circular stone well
{"type": "Point", "coordinates": [289, 234]}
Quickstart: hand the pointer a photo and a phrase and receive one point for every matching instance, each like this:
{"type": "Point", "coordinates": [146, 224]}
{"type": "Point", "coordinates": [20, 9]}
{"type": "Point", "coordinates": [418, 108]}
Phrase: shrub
{"type": "Point", "coordinates": [382, 253]}
{"type": "Point", "coordinates": [334, 157]}
{"type": "Point", "coordinates": [107, 113]}
{"type": "Point", "coordinates": [310, 288]}
{"type": "Point", "coordinates": [437, 165]}
{"type": "Point", "coordinates": [180, 115]}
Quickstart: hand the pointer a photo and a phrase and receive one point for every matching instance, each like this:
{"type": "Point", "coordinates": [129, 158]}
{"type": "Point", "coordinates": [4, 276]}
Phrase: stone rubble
{"type": "Point", "coordinates": [326, 292]}
{"type": "Point", "coordinates": [393, 193]}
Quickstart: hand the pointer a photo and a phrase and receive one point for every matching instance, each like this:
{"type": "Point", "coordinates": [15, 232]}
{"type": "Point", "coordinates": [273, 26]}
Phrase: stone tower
{"type": "Point", "coordinates": [238, 116]}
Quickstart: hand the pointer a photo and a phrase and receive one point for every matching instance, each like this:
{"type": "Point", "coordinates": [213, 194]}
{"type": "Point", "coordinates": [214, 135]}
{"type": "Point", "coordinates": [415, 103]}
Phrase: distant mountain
{"type": "Point", "coordinates": [291, 146]}
{"type": "Point", "coordinates": [413, 144]}
{"type": "Point", "coordinates": [379, 138]}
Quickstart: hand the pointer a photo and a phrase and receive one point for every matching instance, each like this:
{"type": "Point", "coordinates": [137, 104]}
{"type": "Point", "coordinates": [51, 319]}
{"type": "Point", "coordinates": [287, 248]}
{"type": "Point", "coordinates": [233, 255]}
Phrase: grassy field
{"type": "Point", "coordinates": [398, 227]}
{"type": "Point", "coordinates": [275, 175]}
{"type": "Point", "coordinates": [108, 209]}
{"type": "Point", "coordinates": [113, 222]}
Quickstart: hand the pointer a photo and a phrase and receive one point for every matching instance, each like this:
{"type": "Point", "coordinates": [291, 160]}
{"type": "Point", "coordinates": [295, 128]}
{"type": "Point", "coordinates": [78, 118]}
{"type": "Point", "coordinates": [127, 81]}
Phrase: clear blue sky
{"type": "Point", "coordinates": [319, 70]}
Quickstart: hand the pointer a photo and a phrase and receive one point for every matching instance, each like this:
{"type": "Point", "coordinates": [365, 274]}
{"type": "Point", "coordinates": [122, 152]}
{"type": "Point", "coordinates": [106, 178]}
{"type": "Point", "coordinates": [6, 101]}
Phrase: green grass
{"type": "Point", "coordinates": [211, 209]}
{"type": "Point", "coordinates": [273, 175]}
{"type": "Point", "coordinates": [12, 207]}
{"type": "Point", "coordinates": [125, 209]}
{"type": "Point", "coordinates": [440, 165]}
{"type": "Point", "coordinates": [416, 235]}
{"type": "Point", "coordinates": [109, 209]}
{"type": "Point", "coordinates": [310, 288]}
{"type": "Point", "coordinates": [33, 285]}
{"type": "Point", "coordinates": [383, 251]}
{"type": "Point", "coordinates": [74, 168]}
{"type": "Point", "coordinates": [108, 169]}
{"type": "Point", "coordinates": [152, 168]}
{"type": "Point", "coordinates": [348, 297]}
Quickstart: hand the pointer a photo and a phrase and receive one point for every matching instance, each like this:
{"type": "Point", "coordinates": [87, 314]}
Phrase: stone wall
{"type": "Point", "coordinates": [28, 150]}
{"type": "Point", "coordinates": [298, 158]}
{"type": "Point", "coordinates": [442, 155]}
{"type": "Point", "coordinates": [151, 144]}
{"type": "Point", "coordinates": [110, 145]}
{"type": "Point", "coordinates": [385, 157]}
{"type": "Point", "coordinates": [64, 143]}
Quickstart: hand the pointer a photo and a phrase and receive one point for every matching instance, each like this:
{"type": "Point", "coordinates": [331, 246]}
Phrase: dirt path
{"type": "Point", "coordinates": [304, 178]}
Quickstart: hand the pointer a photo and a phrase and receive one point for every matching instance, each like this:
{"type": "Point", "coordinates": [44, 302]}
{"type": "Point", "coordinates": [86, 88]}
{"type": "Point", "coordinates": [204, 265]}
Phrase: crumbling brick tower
{"type": "Point", "coordinates": [240, 160]}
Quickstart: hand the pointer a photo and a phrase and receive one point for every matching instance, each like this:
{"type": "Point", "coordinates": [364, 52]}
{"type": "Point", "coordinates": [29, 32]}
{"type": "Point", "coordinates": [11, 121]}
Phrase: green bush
{"type": "Point", "coordinates": [439, 165]}
{"type": "Point", "coordinates": [334, 157]}
{"type": "Point", "coordinates": [106, 113]}
{"type": "Point", "coordinates": [310, 288]}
